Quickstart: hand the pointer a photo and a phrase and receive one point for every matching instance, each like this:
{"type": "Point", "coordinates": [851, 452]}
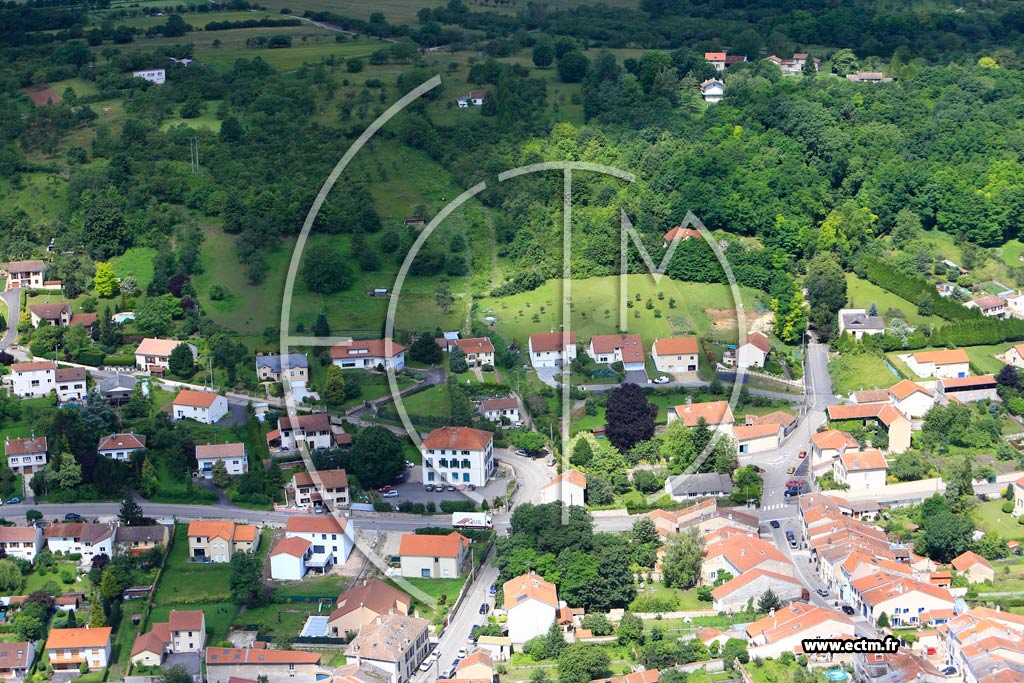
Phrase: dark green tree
{"type": "Point", "coordinates": [246, 582]}
{"type": "Point", "coordinates": [180, 362]}
{"type": "Point", "coordinates": [376, 456]}
{"type": "Point", "coordinates": [130, 513]}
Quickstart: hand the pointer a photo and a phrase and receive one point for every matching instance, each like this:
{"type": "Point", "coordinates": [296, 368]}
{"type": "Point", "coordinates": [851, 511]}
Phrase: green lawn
{"type": "Point", "coordinates": [137, 261]}
{"type": "Point", "coordinates": [861, 294]}
{"type": "Point", "coordinates": [1011, 253]}
{"type": "Point", "coordinates": [208, 119]}
{"type": "Point", "coordinates": [281, 619]}
{"type": "Point", "coordinates": [81, 87]}
{"type": "Point", "coordinates": [35, 581]}
{"type": "Point", "coordinates": [436, 589]}
{"type": "Point", "coordinates": [983, 360]}
{"type": "Point", "coordinates": [853, 372]}
{"type": "Point", "coordinates": [311, 587]}
{"type": "Point", "coordinates": [31, 409]}
{"type": "Point", "coordinates": [990, 518]}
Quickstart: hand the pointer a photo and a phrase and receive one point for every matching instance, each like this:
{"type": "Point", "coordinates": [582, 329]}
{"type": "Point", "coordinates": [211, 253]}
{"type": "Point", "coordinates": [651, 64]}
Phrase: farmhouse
{"type": "Point", "coordinates": [56, 314]}
{"type": "Point", "coordinates": [25, 456]}
{"type": "Point", "coordinates": [676, 355]}
{"type": "Point", "coordinates": [36, 378]}
{"type": "Point", "coordinates": [271, 368]}
{"type": "Point", "coordinates": [712, 90]}
{"type": "Point", "coordinates": [618, 348]}
{"type": "Point", "coordinates": [87, 539]}
{"type": "Point", "coordinates": [425, 556]}
{"type": "Point", "coordinates": [856, 322]}
{"type": "Point", "coordinates": [202, 406]}
{"type": "Point", "coordinates": [552, 349]}
{"type": "Point", "coordinates": [969, 389]}
{"type": "Point", "coordinates": [328, 488]}
{"type": "Point", "coordinates": [939, 364]}
{"type": "Point", "coordinates": [860, 469]}
{"type": "Point", "coordinates": [276, 666]}
{"type": "Point", "coordinates": [911, 399]}
{"type": "Point", "coordinates": [501, 410]}
{"type": "Point", "coordinates": [531, 604]}
{"type": "Point", "coordinates": [26, 274]}
{"type": "Point", "coordinates": [753, 350]}
{"type": "Point", "coordinates": [369, 354]}
{"type": "Point", "coordinates": [570, 487]}
{"type": "Point", "coordinates": [231, 454]}
{"type": "Point", "coordinates": [394, 643]}
{"type": "Point", "coordinates": [70, 384]}
{"type": "Point", "coordinates": [121, 446]}
{"type": "Point", "coordinates": [794, 66]}
{"type": "Point", "coordinates": [22, 542]}
{"type": "Point", "coordinates": [69, 648]}
{"type": "Point", "coordinates": [217, 541]}
{"type": "Point", "coordinates": [363, 604]}
{"type": "Point", "coordinates": [153, 355]}
{"type": "Point", "coordinates": [458, 455]}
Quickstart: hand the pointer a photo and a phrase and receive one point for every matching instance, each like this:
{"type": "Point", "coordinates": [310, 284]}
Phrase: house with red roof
{"type": "Point", "coordinates": [757, 438]}
{"type": "Point", "coordinates": [184, 631]}
{"type": "Point", "coordinates": [784, 629]}
{"type": "Point", "coordinates": [975, 567]}
{"type": "Point", "coordinates": [426, 556]}
{"type": "Point", "coordinates": [458, 456]}
{"type": "Point", "coordinates": [368, 354]}
{"type": "Point", "coordinates": [57, 314]}
{"type": "Point", "coordinates": [35, 378]}
{"type": "Point", "coordinates": [531, 604]}
{"type": "Point", "coordinates": [911, 399]}
{"type": "Point", "coordinates": [861, 469]}
{"type": "Point", "coordinates": [202, 406]}
{"type": "Point", "coordinates": [752, 351]}
{"type": "Point", "coordinates": [680, 233]}
{"type": "Point", "coordinates": [896, 424]}
{"type": "Point", "coordinates": [331, 539]}
{"type": "Point", "coordinates": [736, 593]}
{"type": "Point", "coordinates": [676, 355]}
{"type": "Point", "coordinates": [70, 648]}
{"type": "Point", "coordinates": [154, 355]}
{"type": "Point", "coordinates": [277, 666]}
{"type": "Point", "coordinates": [570, 487]}
{"type": "Point", "coordinates": [939, 364]}
{"type": "Point", "coordinates": [739, 554]}
{"type": "Point", "coordinates": [828, 445]}
{"type": "Point", "coordinates": [121, 446]}
{"type": "Point", "coordinates": [902, 599]}
{"type": "Point", "coordinates": [552, 349]}
{"type": "Point", "coordinates": [627, 349]}
{"type": "Point", "coordinates": [716, 414]}
{"type": "Point", "coordinates": [969, 389]}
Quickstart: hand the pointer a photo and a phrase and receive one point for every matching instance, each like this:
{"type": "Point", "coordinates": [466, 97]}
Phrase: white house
{"type": "Point", "coordinates": [676, 355]}
{"type": "Point", "coordinates": [121, 446]}
{"type": "Point", "coordinates": [426, 556]}
{"type": "Point", "coordinates": [240, 665]}
{"type": "Point", "coordinates": [201, 406]}
{"type": "Point", "coordinates": [717, 414]}
{"type": "Point", "coordinates": [154, 354]}
{"type": "Point", "coordinates": [184, 631]}
{"type": "Point", "coordinates": [911, 398]}
{"type": "Point", "coordinates": [22, 542]}
{"type": "Point", "coordinates": [271, 368]}
{"type": "Point", "coordinates": [738, 554]}
{"type": "Point", "coordinates": [57, 314]}
{"type": "Point", "coordinates": [1014, 356]}
{"type": "Point", "coordinates": [794, 66]}
{"type": "Point", "coordinates": [570, 487]}
{"type": "Point", "coordinates": [25, 456]}
{"type": "Point", "coordinates": [945, 363]}
{"type": "Point", "coordinates": [698, 485]}
{"type": "Point", "coordinates": [991, 306]}
{"type": "Point", "coordinates": [288, 559]}
{"type": "Point", "coordinates": [974, 567]}
{"type": "Point", "coordinates": [394, 643]}
{"type": "Point", "coordinates": [69, 648]}
{"type": "Point", "coordinates": [627, 349]}
{"type": "Point", "coordinates": [368, 354]}
{"type": "Point", "coordinates": [458, 455]}
{"type": "Point", "coordinates": [479, 350]}
{"type": "Point", "coordinates": [495, 409]}
{"type": "Point", "coordinates": [902, 599]}
{"type": "Point", "coordinates": [758, 438]}
{"type": "Point", "coordinates": [314, 430]}
{"type": "Point", "coordinates": [551, 349]}
{"type": "Point", "coordinates": [784, 629]}
{"type": "Point", "coordinates": [70, 384]}
{"type": "Point", "coordinates": [531, 604]}
{"type": "Point", "coordinates": [36, 378]}
{"type": "Point", "coordinates": [328, 488]}
{"type": "Point", "coordinates": [828, 445]}
{"type": "Point", "coordinates": [157, 76]}
{"type": "Point", "coordinates": [25, 274]}
{"type": "Point", "coordinates": [712, 90]}
{"type": "Point", "coordinates": [861, 469]}
{"type": "Point", "coordinates": [231, 454]}
{"type": "Point", "coordinates": [857, 323]}
{"type": "Point", "coordinates": [84, 538]}
{"type": "Point", "coordinates": [331, 539]}
{"type": "Point", "coordinates": [753, 350]}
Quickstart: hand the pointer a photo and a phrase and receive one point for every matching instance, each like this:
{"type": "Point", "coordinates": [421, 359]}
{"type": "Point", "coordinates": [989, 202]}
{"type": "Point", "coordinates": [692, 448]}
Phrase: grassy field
{"type": "Point", "coordinates": [311, 587]}
{"type": "Point", "coordinates": [860, 371]}
{"type": "Point", "coordinates": [208, 119]}
{"type": "Point", "coordinates": [861, 294]}
{"type": "Point", "coordinates": [1011, 253]}
{"type": "Point", "coordinates": [448, 589]}
{"type": "Point", "coordinates": [991, 519]}
{"type": "Point", "coordinates": [35, 581]}
{"type": "Point", "coordinates": [81, 87]}
{"type": "Point", "coordinates": [983, 360]}
{"type": "Point", "coordinates": [404, 11]}
{"type": "Point", "coordinates": [137, 261]}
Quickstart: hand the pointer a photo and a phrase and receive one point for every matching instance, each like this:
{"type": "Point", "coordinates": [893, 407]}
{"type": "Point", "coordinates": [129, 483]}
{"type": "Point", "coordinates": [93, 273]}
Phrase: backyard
{"type": "Point", "coordinates": [861, 294]}
{"type": "Point", "coordinates": [856, 371]}
{"type": "Point", "coordinates": [991, 519]}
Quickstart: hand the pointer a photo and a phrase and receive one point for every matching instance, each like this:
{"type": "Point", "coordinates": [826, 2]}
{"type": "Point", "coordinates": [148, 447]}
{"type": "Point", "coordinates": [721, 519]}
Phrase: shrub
{"type": "Point", "coordinates": [218, 292]}
{"type": "Point", "coordinates": [1007, 507]}
{"type": "Point", "coordinates": [122, 361]}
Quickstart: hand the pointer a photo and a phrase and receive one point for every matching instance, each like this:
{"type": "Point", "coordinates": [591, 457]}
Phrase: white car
{"type": "Point", "coordinates": [425, 666]}
{"type": "Point", "coordinates": [664, 379]}
{"type": "Point", "coordinates": [390, 494]}
{"type": "Point", "coordinates": [410, 463]}
{"type": "Point", "coordinates": [462, 653]}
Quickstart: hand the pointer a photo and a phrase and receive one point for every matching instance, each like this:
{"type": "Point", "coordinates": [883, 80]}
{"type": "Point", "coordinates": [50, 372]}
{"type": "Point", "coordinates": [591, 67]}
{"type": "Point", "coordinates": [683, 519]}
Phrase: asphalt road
{"type": "Point", "coordinates": [12, 314]}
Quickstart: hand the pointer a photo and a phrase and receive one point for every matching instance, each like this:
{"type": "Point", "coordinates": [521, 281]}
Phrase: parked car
{"type": "Point", "coordinates": [791, 470]}
{"type": "Point", "coordinates": [790, 493]}
{"type": "Point", "coordinates": [483, 608]}
{"type": "Point", "coordinates": [450, 487]}
{"type": "Point", "coordinates": [385, 488]}
{"type": "Point", "coordinates": [492, 590]}
{"type": "Point", "coordinates": [848, 609]}
{"type": "Point", "coordinates": [775, 523]}
{"type": "Point", "coordinates": [791, 483]}
{"type": "Point", "coordinates": [428, 488]}
{"type": "Point", "coordinates": [664, 379]}
{"type": "Point", "coordinates": [805, 595]}
{"type": "Point", "coordinates": [803, 454]}
{"type": "Point", "coordinates": [472, 487]}
{"type": "Point", "coordinates": [390, 494]}
{"type": "Point", "coordinates": [14, 501]}
{"type": "Point", "coordinates": [72, 517]}
{"type": "Point", "coordinates": [823, 592]}
{"type": "Point", "coordinates": [427, 663]}
{"type": "Point", "coordinates": [522, 453]}
{"type": "Point", "coordinates": [462, 653]}
{"type": "Point", "coordinates": [410, 463]}
{"type": "Point", "coordinates": [949, 671]}
{"type": "Point", "coordinates": [550, 462]}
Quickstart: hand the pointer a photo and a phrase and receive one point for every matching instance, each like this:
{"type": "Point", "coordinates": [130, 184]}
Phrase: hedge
{"type": "Point", "coordinates": [124, 361]}
{"type": "Point", "coordinates": [912, 288]}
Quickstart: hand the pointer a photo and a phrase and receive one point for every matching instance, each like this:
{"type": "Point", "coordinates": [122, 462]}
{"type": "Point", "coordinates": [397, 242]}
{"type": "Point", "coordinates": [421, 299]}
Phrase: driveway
{"type": "Point", "coordinates": [636, 377]}
{"type": "Point", "coordinates": [548, 375]}
{"type": "Point", "coordinates": [13, 314]}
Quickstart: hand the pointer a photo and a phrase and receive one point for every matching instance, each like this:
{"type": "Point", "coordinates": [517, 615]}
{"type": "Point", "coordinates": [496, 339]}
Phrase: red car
{"type": "Point", "coordinates": [385, 488]}
{"type": "Point", "coordinates": [803, 454]}
{"type": "Point", "coordinates": [793, 482]}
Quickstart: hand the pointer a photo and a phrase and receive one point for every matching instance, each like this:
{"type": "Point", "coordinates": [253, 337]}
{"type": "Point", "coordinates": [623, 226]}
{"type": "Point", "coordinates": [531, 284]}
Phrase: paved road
{"type": "Point", "coordinates": [13, 314]}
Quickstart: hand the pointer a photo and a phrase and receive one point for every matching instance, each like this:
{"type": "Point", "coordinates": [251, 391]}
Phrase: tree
{"type": "Point", "coordinates": [246, 582]}
{"type": "Point", "coordinates": [321, 328]}
{"type": "Point", "coordinates": [29, 627]}
{"type": "Point", "coordinates": [33, 515]}
{"type": "Point", "coordinates": [646, 481]}
{"type": "Point", "coordinates": [69, 475]}
{"type": "Point", "coordinates": [809, 68]}
{"type": "Point", "coordinates": [104, 281]}
{"type": "Point", "coordinates": [946, 535]}
{"type": "Point", "coordinates": [844, 62]}
{"type": "Point", "coordinates": [582, 662]}
{"type": "Point", "coordinates": [177, 673]}
{"type": "Point", "coordinates": [629, 417]}
{"type": "Point", "coordinates": [154, 315]}
{"type": "Point", "coordinates": [680, 566]}
{"type": "Point", "coordinates": [334, 386]}
{"type": "Point", "coordinates": [130, 513]}
{"type": "Point", "coordinates": [457, 360]}
{"type": "Point", "coordinates": [219, 472]}
{"type": "Point", "coordinates": [324, 270]}
{"type": "Point", "coordinates": [631, 630]}
{"type": "Point", "coordinates": [426, 350]}
{"type": "Point", "coordinates": [582, 453]}
{"type": "Point", "coordinates": [597, 624]}
{"type": "Point", "coordinates": [883, 620]}
{"type": "Point", "coordinates": [826, 292]}
{"type": "Point", "coordinates": [444, 297]}
{"type": "Point", "coordinates": [181, 362]}
{"type": "Point", "coordinates": [734, 649]}
{"type": "Point", "coordinates": [543, 54]}
{"type": "Point", "coordinates": [747, 484]}
{"type": "Point", "coordinates": [554, 641]}
{"type": "Point", "coordinates": [231, 129]}
{"type": "Point", "coordinates": [645, 540]}
{"type": "Point", "coordinates": [675, 675]}
{"type": "Point", "coordinates": [768, 601]}
{"type": "Point", "coordinates": [11, 579]}
{"type": "Point", "coordinates": [572, 67]}
{"type": "Point", "coordinates": [909, 466]}
{"type": "Point", "coordinates": [116, 578]}
{"type": "Point", "coordinates": [376, 457]}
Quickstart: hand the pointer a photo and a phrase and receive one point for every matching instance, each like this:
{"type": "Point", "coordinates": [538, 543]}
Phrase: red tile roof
{"type": "Point", "coordinates": [458, 438]}
{"type": "Point", "coordinates": [905, 388]}
{"type": "Point", "coordinates": [944, 357]}
{"type": "Point", "coordinates": [757, 339]}
{"type": "Point", "coordinates": [323, 524]}
{"type": "Point", "coordinates": [33, 366]}
{"type": "Point", "coordinates": [427, 545]}
{"type": "Point", "coordinates": [859, 461]}
{"type": "Point", "coordinates": [529, 586]}
{"type": "Point", "coordinates": [195, 399]}
{"type": "Point", "coordinates": [675, 346]}
{"type": "Point", "coordinates": [969, 559]}
{"type": "Point", "coordinates": [733, 585]}
{"type": "Point", "coordinates": [369, 348]}
{"type": "Point", "coordinates": [747, 432]}
{"type": "Point", "coordinates": [26, 446]}
{"type": "Point", "coordinates": [713, 412]}
{"type": "Point", "coordinates": [966, 382]}
{"type": "Point", "coordinates": [116, 441]}
{"type": "Point", "coordinates": [294, 546]}
{"type": "Point", "coordinates": [549, 341]}
{"type": "Point", "coordinates": [186, 620]}
{"type": "Point", "coordinates": [631, 346]}
{"type": "Point", "coordinates": [76, 638]}
{"type": "Point", "coordinates": [574, 477]}
{"type": "Point", "coordinates": [681, 233]}
{"type": "Point", "coordinates": [475, 345]}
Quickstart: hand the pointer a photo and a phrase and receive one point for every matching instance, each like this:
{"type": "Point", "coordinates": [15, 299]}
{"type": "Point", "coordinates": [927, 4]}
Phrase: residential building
{"type": "Point", "coordinates": [676, 355]}
{"type": "Point", "coordinates": [153, 355]}
{"type": "Point", "coordinates": [458, 455]}
{"type": "Point", "coordinates": [69, 648]}
{"type": "Point", "coordinates": [363, 604]}
{"type": "Point", "coordinates": [721, 60]}
{"type": "Point", "coordinates": [231, 454]}
{"type": "Point", "coordinates": [312, 430]}
{"type": "Point", "coordinates": [271, 368]}
{"type": "Point", "coordinates": [716, 414]}
{"type": "Point", "coordinates": [627, 349]}
{"type": "Point", "coordinates": [501, 410]}
{"type": "Point", "coordinates": [289, 558]}
{"type": "Point", "coordinates": [868, 77]}
{"type": "Point", "coordinates": [975, 567]}
{"type": "Point", "coordinates": [475, 98]}
{"type": "Point", "coordinates": [57, 314]}
{"type": "Point", "coordinates": [217, 541]}
{"type": "Point", "coordinates": [184, 631]}
{"type": "Point", "coordinates": [861, 469]}
{"type": "Point", "coordinates": [911, 399]}
{"type": "Point", "coordinates": [902, 599]}
{"type": "Point", "coordinates": [498, 647]}
{"type": "Point", "coordinates": [157, 76]}
{"type": "Point", "coordinates": [22, 542]}
{"type": "Point", "coordinates": [896, 424]}
{"type": "Point", "coordinates": [395, 643]}
{"type": "Point", "coordinates": [794, 66]}
{"type": "Point", "coordinates": [698, 485]}
{"type": "Point", "coordinates": [983, 644]}
{"type": "Point", "coordinates": [739, 554]}
{"type": "Point", "coordinates": [758, 438]}
{"type": "Point", "coordinates": [16, 659]}
{"type": "Point", "coordinates": [753, 350]}
{"type": "Point", "coordinates": [946, 363]}
{"type": "Point", "coordinates": [857, 323]}
{"type": "Point", "coordinates": [331, 539]}
{"type": "Point", "coordinates": [712, 90]}
{"type": "Point", "coordinates": [570, 487]}
{"type": "Point", "coordinates": [870, 396]}
{"type": "Point", "coordinates": [117, 389]}
{"type": "Point", "coordinates": [276, 666]}
{"type": "Point", "coordinates": [478, 666]}
{"type": "Point", "coordinates": [680, 233]}
{"type": "Point", "coordinates": [552, 349]}
{"type": "Point", "coordinates": [777, 417]}
{"type": "Point", "coordinates": [736, 593]}
{"type": "Point", "coordinates": [201, 406]}
{"type": "Point", "coordinates": [25, 456]}
{"type": "Point", "coordinates": [70, 384]}
{"type": "Point", "coordinates": [531, 604]}
{"type": "Point", "coordinates": [1014, 356]}
{"type": "Point", "coordinates": [36, 378]}
{"type": "Point", "coordinates": [26, 274]}
{"type": "Point", "coordinates": [327, 488]}
{"type": "Point", "coordinates": [426, 556]}
{"type": "Point", "coordinates": [370, 354]}
{"type": "Point", "coordinates": [87, 539]}
{"type": "Point", "coordinates": [991, 306]}
{"type": "Point", "coordinates": [969, 389]}
{"type": "Point", "coordinates": [479, 350]}
{"type": "Point", "coordinates": [86, 320]}
{"type": "Point", "coordinates": [121, 446]}
{"type": "Point", "coordinates": [828, 445]}
{"type": "Point", "coordinates": [784, 629]}
{"type": "Point", "coordinates": [136, 540]}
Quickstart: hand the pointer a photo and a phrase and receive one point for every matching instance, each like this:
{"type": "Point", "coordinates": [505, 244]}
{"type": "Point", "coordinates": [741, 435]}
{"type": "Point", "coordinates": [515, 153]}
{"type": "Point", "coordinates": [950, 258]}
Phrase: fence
{"type": "Point", "coordinates": [731, 375]}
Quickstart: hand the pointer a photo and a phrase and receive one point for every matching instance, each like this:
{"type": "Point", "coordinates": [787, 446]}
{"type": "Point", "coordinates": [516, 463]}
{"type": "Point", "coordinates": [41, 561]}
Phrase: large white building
{"type": "Point", "coordinates": [231, 454]}
{"type": "Point", "coordinates": [902, 599]}
{"type": "Point", "coordinates": [368, 354]}
{"type": "Point", "coordinates": [785, 629]}
{"type": "Point", "coordinates": [23, 542]}
{"type": "Point", "coordinates": [154, 354]}
{"type": "Point", "coordinates": [87, 539]}
{"type": "Point", "coordinates": [531, 604]}
{"type": "Point", "coordinates": [37, 378]}
{"type": "Point", "coordinates": [911, 399]}
{"type": "Point", "coordinates": [69, 648]}
{"type": "Point", "coordinates": [458, 456]}
{"type": "Point", "coordinates": [946, 363]}
{"type": "Point", "coordinates": [314, 430]}
{"type": "Point", "coordinates": [331, 539]}
{"type": "Point", "coordinates": [156, 76]}
{"type": "Point", "coordinates": [551, 349]}
{"type": "Point", "coordinates": [201, 406]}
{"type": "Point", "coordinates": [570, 487]}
